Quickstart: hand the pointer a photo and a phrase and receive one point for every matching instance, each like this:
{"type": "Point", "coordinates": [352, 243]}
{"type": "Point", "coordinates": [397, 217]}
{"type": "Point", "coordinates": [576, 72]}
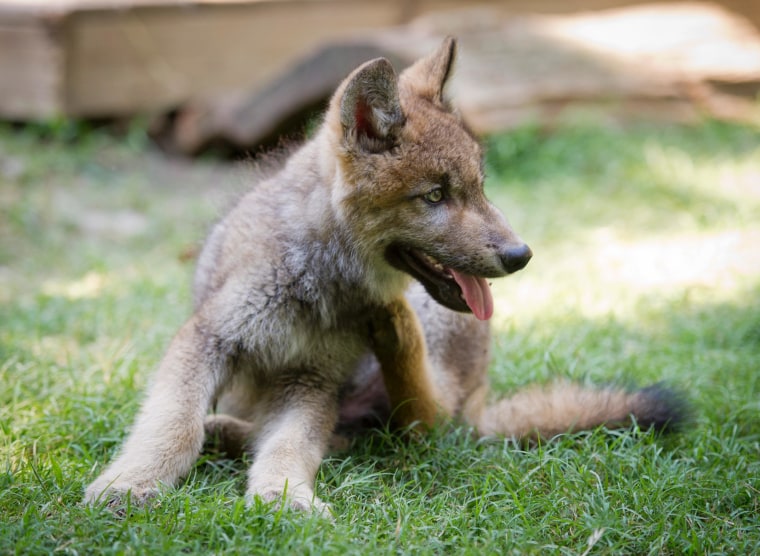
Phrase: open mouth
{"type": "Point", "coordinates": [451, 288]}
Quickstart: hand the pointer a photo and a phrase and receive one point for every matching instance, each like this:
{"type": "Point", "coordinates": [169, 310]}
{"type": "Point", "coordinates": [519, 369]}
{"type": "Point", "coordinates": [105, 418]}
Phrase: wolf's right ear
{"type": "Point", "coordinates": [428, 76]}
{"type": "Point", "coordinates": [369, 107]}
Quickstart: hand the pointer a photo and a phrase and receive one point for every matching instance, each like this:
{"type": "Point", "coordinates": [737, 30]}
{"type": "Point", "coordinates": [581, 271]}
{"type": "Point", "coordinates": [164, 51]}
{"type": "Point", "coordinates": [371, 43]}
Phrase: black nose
{"type": "Point", "coordinates": [515, 258]}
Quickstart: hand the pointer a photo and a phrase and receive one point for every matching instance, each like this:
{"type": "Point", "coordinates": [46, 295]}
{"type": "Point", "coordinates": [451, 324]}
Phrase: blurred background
{"type": "Point", "coordinates": [236, 74]}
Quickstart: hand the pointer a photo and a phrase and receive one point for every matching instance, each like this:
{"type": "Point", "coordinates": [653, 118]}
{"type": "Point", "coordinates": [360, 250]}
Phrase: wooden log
{"type": "Point", "coordinates": [280, 109]}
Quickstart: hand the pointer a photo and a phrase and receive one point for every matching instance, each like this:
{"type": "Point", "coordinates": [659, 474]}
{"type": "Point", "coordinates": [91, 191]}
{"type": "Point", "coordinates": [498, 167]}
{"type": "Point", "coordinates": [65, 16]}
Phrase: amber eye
{"type": "Point", "coordinates": [434, 196]}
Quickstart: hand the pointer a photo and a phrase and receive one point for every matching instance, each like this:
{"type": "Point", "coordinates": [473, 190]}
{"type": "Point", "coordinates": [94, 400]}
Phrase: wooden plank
{"type": "Point", "coordinates": [102, 58]}
{"type": "Point", "coordinates": [154, 58]}
{"type": "Point", "coordinates": [30, 71]}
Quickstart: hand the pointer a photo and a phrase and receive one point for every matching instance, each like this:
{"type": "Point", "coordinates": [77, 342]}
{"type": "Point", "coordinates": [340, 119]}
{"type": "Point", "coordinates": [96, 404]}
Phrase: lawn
{"type": "Point", "coordinates": [646, 269]}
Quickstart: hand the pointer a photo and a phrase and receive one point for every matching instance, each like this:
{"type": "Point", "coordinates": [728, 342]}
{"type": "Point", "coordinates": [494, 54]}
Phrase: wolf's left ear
{"type": "Point", "coordinates": [370, 110]}
{"type": "Point", "coordinates": [428, 76]}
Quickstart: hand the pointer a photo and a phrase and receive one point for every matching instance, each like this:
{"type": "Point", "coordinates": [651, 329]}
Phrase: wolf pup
{"type": "Point", "coordinates": [350, 284]}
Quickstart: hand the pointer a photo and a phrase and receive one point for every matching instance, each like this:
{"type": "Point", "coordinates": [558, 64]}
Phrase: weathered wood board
{"type": "Point", "coordinates": [115, 58]}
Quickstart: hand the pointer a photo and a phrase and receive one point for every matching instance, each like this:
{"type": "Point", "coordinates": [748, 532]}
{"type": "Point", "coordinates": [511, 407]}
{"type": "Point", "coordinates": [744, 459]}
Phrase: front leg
{"type": "Point", "coordinates": [300, 417]}
{"type": "Point", "coordinates": [399, 345]}
{"type": "Point", "coordinates": [168, 433]}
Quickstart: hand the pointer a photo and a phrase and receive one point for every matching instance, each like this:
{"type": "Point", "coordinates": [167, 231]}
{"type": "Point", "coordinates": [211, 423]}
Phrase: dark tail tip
{"type": "Point", "coordinates": [661, 408]}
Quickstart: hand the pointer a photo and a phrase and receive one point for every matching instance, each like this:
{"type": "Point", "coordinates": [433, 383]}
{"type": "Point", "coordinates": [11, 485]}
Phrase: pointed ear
{"type": "Point", "coordinates": [370, 110]}
{"type": "Point", "coordinates": [427, 77]}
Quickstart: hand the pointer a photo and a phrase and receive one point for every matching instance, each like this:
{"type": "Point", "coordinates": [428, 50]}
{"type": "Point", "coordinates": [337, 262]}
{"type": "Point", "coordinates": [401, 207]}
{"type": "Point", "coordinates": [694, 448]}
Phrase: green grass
{"type": "Point", "coordinates": [646, 268]}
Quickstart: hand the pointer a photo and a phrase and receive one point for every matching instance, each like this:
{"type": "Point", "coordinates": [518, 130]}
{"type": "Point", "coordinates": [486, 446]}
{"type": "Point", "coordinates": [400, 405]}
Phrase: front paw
{"type": "Point", "coordinates": [114, 493]}
{"type": "Point", "coordinates": [300, 498]}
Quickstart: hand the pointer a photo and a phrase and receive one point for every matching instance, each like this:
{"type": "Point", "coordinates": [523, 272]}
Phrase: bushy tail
{"type": "Point", "coordinates": [566, 407]}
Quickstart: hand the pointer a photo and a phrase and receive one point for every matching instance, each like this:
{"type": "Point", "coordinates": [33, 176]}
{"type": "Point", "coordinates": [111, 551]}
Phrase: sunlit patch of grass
{"type": "Point", "coordinates": [645, 269]}
{"type": "Point", "coordinates": [620, 218]}
{"type": "Point", "coordinates": [609, 275]}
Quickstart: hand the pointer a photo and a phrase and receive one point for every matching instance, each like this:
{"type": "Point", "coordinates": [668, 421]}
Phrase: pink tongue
{"type": "Point", "coordinates": [476, 293]}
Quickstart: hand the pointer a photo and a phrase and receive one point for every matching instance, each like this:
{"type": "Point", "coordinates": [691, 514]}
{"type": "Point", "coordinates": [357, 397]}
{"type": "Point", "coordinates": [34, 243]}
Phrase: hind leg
{"type": "Point", "coordinates": [398, 342]}
{"type": "Point", "coordinates": [232, 425]}
{"type": "Point", "coordinates": [458, 355]}
{"type": "Point", "coordinates": [227, 435]}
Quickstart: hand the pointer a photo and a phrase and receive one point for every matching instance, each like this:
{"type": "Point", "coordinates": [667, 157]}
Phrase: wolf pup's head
{"type": "Point", "coordinates": [412, 182]}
